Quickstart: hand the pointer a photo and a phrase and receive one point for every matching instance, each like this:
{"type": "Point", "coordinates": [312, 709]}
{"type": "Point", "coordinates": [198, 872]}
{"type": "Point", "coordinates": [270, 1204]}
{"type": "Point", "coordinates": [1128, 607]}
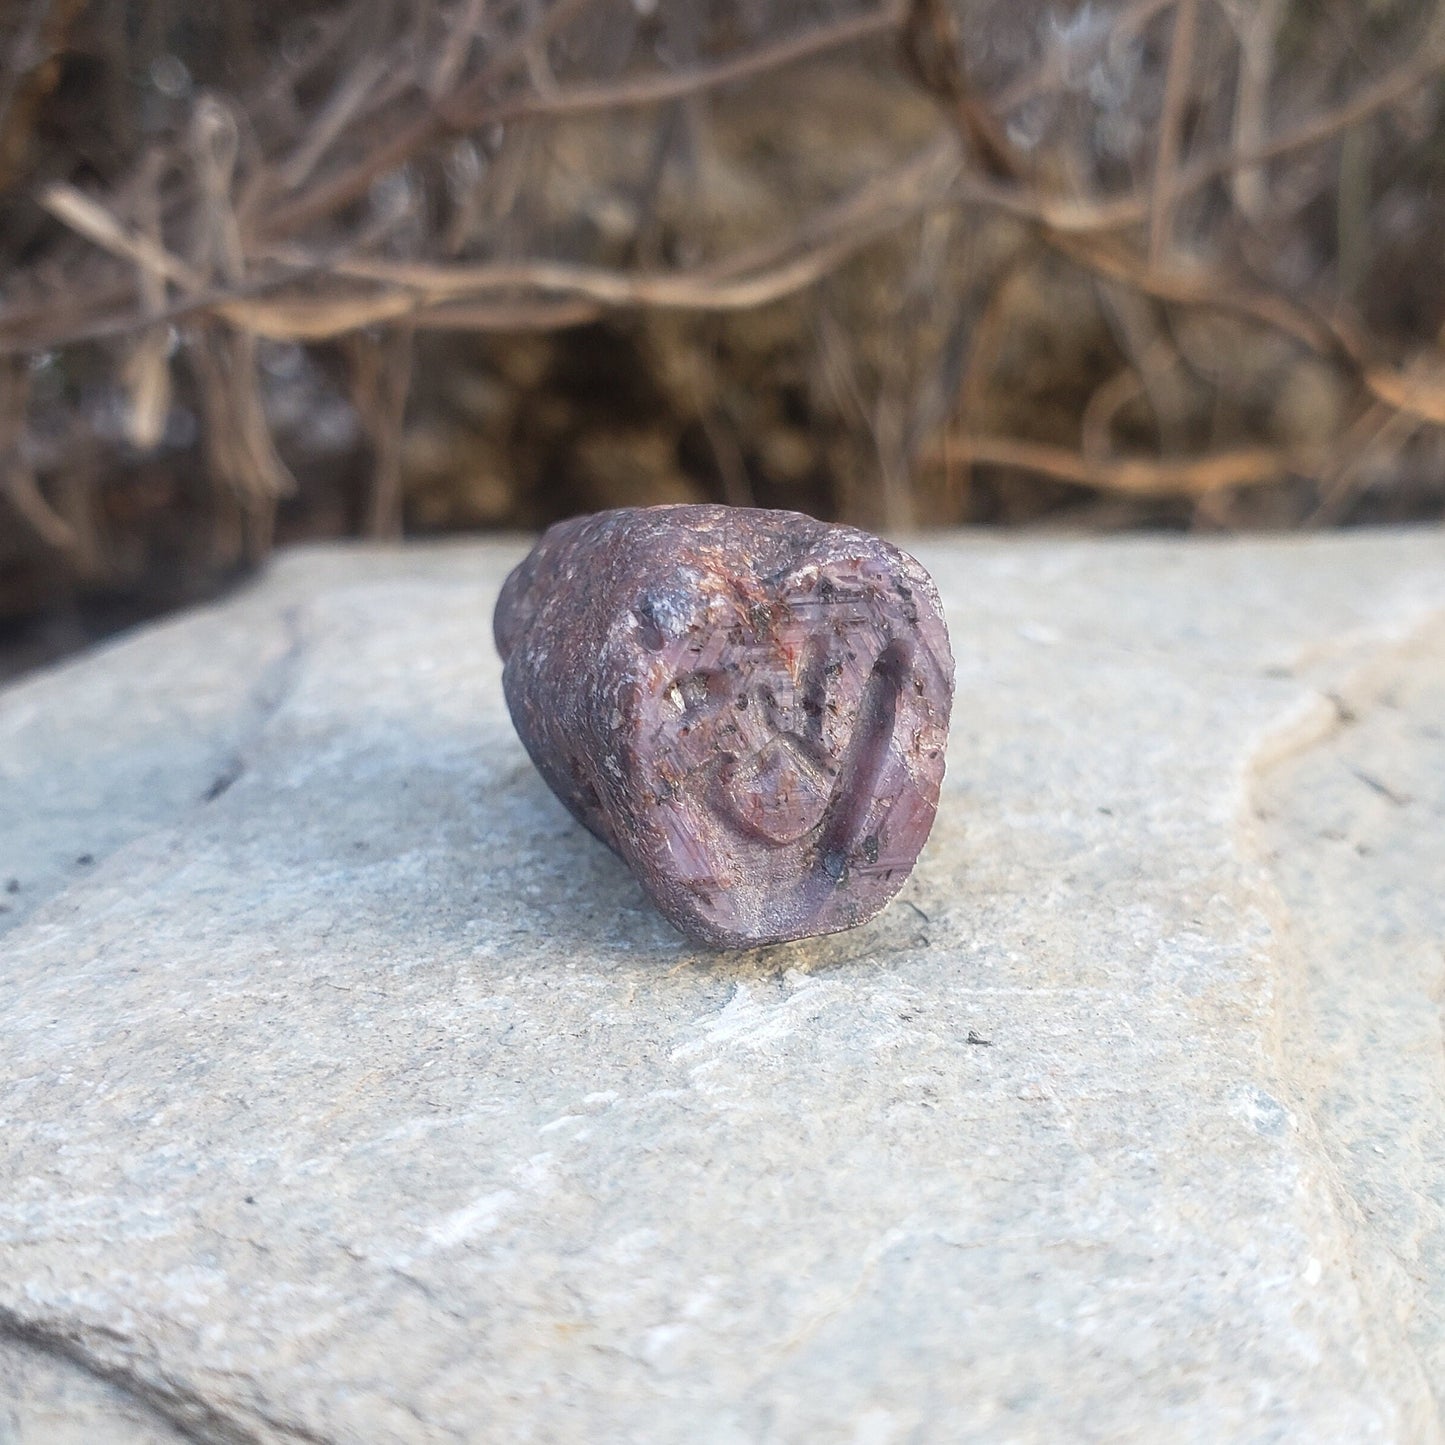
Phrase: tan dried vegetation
{"type": "Point", "coordinates": [319, 269]}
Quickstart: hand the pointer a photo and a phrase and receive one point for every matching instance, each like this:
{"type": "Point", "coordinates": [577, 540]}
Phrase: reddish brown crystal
{"type": "Point", "coordinates": [750, 707]}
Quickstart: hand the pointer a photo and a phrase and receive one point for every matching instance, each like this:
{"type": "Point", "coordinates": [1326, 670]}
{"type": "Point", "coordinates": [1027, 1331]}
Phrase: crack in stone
{"type": "Point", "coordinates": [267, 696]}
{"type": "Point", "coordinates": [185, 1411]}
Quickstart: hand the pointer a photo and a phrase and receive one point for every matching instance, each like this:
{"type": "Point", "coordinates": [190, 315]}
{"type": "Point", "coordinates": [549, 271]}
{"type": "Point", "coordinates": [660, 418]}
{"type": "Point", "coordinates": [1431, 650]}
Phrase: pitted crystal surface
{"type": "Point", "coordinates": [749, 706]}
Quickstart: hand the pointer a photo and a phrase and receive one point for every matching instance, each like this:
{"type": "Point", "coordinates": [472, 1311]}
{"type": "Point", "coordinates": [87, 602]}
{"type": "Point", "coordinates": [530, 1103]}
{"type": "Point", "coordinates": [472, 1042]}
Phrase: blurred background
{"type": "Point", "coordinates": [273, 272]}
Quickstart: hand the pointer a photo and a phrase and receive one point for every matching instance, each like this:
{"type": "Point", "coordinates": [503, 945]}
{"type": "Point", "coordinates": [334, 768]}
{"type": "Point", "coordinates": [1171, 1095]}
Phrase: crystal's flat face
{"type": "Point", "coordinates": [770, 698]}
{"type": "Point", "coordinates": [790, 746]}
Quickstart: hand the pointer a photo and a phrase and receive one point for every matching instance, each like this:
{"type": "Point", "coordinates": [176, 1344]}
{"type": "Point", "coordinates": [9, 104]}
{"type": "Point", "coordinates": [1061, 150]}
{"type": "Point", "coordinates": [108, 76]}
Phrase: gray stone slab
{"type": "Point", "coordinates": [349, 1092]}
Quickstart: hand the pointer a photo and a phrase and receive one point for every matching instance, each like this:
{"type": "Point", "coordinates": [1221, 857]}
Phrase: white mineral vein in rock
{"type": "Point", "coordinates": [350, 1092]}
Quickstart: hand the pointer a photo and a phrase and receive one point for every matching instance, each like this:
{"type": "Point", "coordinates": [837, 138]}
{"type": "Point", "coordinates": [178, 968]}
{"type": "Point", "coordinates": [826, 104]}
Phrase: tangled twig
{"type": "Point", "coordinates": [254, 228]}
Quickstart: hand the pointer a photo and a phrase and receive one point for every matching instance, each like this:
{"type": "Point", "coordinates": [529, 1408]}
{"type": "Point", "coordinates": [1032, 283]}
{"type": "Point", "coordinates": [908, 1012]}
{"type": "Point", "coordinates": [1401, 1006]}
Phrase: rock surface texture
{"type": "Point", "coordinates": [349, 1091]}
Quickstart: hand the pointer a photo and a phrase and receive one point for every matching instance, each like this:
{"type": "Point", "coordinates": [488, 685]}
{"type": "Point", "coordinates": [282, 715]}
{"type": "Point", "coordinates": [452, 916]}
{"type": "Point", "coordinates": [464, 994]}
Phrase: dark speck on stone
{"type": "Point", "coordinates": [85, 860]}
